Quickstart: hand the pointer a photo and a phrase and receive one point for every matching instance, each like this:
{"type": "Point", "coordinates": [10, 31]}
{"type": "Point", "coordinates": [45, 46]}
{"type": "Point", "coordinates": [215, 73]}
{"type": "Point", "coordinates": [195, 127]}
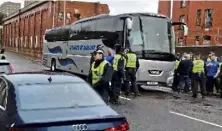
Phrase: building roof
{"type": "Point", "coordinates": [29, 7]}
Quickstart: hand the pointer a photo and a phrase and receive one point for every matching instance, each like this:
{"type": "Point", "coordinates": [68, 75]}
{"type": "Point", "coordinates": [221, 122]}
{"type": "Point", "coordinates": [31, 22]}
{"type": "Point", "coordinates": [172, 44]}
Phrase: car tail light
{"type": "Point", "coordinates": [123, 127]}
{"type": "Point", "coordinates": [11, 68]}
{"type": "Point", "coordinates": [15, 129]}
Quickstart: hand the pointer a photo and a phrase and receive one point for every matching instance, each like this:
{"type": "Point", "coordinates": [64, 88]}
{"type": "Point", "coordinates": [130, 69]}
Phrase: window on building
{"type": "Point", "coordinates": [182, 19]}
{"type": "Point", "coordinates": [180, 42]}
{"type": "Point", "coordinates": [208, 18]}
{"type": "Point", "coordinates": [183, 3]}
{"type": "Point", "coordinates": [207, 40]}
{"type": "Point", "coordinates": [197, 40]}
{"type": "Point", "coordinates": [60, 15]}
{"type": "Point", "coordinates": [198, 18]}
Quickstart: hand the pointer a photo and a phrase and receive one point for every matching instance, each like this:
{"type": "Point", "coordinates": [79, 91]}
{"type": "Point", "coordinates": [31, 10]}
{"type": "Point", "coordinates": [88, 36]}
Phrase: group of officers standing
{"type": "Point", "coordinates": [196, 72]}
{"type": "Point", "coordinates": [110, 74]}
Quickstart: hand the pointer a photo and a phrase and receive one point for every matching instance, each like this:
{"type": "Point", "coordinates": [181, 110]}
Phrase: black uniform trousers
{"type": "Point", "coordinates": [220, 84]}
{"type": "Point", "coordinates": [116, 86]}
{"type": "Point", "coordinates": [175, 81]}
{"type": "Point", "coordinates": [131, 77]}
{"type": "Point", "coordinates": [211, 82]}
{"type": "Point", "coordinates": [198, 79]}
{"type": "Point", "coordinates": [103, 91]}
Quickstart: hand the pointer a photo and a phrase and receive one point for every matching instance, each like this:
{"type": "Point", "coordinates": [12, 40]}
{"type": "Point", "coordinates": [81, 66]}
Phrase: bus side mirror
{"type": "Point", "coordinates": [128, 20]}
{"type": "Point", "coordinates": [129, 23]}
{"type": "Point", "coordinates": [185, 27]}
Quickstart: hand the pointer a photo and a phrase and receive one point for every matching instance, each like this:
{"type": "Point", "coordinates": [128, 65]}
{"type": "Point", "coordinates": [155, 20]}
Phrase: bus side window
{"type": "Point", "coordinates": [87, 29]}
{"type": "Point", "coordinates": [75, 31]}
{"type": "Point", "coordinates": [105, 27]}
{"type": "Point", "coordinates": [118, 29]}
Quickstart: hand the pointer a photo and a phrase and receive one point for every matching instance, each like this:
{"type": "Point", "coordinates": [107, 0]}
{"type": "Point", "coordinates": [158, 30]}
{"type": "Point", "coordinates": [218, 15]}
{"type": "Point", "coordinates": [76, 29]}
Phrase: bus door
{"type": "Point", "coordinates": [64, 47]}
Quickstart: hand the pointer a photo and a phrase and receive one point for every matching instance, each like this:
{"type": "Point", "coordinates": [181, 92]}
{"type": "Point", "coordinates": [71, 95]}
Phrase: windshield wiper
{"type": "Point", "coordinates": [2, 72]}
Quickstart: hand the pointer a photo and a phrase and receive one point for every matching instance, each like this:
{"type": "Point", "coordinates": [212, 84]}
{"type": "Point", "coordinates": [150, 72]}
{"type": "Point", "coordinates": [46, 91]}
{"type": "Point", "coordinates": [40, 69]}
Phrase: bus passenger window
{"type": "Point", "coordinates": [75, 30]}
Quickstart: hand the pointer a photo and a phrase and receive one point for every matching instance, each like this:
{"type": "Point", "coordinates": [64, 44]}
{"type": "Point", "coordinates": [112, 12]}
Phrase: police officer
{"type": "Point", "coordinates": [132, 66]}
{"type": "Point", "coordinates": [100, 75]}
{"type": "Point", "coordinates": [198, 76]}
{"type": "Point", "coordinates": [119, 63]}
{"type": "Point", "coordinates": [176, 76]}
{"type": "Point", "coordinates": [93, 54]}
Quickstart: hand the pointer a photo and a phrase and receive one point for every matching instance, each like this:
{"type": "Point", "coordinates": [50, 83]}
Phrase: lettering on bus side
{"type": "Point", "coordinates": [83, 47]}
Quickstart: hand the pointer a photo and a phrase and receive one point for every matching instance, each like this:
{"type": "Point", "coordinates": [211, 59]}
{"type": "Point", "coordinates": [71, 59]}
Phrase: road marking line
{"type": "Point", "coordinates": [125, 98]}
{"type": "Point", "coordinates": [32, 70]}
{"type": "Point", "coordinates": [192, 118]}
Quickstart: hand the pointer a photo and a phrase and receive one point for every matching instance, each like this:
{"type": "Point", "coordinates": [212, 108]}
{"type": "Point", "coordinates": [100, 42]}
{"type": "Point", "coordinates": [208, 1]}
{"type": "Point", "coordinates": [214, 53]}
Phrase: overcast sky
{"type": "Point", "coordinates": [121, 6]}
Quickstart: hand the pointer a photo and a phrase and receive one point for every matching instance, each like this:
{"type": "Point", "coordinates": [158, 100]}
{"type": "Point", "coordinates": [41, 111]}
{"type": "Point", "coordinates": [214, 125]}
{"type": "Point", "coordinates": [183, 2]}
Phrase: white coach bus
{"type": "Point", "coordinates": [150, 36]}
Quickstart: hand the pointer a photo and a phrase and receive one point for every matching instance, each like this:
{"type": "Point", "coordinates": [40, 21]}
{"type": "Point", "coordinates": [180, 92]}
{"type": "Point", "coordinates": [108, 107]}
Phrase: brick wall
{"type": "Point", "coordinates": [190, 12]}
{"type": "Point", "coordinates": [164, 8]}
{"type": "Point", "coordinates": [24, 32]}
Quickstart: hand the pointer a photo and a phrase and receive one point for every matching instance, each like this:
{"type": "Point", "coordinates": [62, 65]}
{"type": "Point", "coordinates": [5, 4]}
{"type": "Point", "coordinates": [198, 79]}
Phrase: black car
{"type": "Point", "coordinates": [54, 102]}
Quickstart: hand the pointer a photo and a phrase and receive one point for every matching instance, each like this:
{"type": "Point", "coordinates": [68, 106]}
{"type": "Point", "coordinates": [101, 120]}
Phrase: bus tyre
{"type": "Point", "coordinates": [53, 65]}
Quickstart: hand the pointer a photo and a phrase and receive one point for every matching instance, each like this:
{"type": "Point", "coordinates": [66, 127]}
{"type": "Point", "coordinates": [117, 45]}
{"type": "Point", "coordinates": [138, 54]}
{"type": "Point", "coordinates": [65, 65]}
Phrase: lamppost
{"type": "Point", "coordinates": [171, 9]}
{"type": "Point", "coordinates": [64, 21]}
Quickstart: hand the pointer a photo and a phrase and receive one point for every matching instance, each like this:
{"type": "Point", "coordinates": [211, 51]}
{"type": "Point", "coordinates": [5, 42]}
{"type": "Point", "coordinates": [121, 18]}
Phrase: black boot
{"type": "Point", "coordinates": [194, 96]}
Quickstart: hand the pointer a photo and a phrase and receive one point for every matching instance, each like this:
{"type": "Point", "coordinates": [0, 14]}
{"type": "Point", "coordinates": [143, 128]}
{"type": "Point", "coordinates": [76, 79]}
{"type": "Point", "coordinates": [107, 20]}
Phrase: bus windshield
{"type": "Point", "coordinates": [152, 34]}
{"type": "Point", "coordinates": [155, 34]}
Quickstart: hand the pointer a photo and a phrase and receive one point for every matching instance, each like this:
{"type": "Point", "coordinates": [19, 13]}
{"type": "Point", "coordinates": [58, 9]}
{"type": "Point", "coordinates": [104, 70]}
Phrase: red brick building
{"type": "Point", "coordinates": [23, 32]}
{"type": "Point", "coordinates": [203, 18]}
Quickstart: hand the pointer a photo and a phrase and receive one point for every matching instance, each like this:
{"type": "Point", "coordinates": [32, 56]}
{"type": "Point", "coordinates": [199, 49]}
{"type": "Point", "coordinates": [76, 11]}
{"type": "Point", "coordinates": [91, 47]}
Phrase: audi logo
{"type": "Point", "coordinates": [80, 127]}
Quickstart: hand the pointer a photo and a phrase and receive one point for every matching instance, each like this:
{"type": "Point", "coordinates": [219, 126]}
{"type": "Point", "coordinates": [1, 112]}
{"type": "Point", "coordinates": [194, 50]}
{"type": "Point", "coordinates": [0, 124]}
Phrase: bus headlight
{"type": "Point", "coordinates": [171, 73]}
{"type": "Point", "coordinates": [170, 81]}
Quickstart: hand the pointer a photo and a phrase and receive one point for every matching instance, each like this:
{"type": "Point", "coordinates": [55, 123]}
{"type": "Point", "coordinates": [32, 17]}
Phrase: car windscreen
{"type": "Point", "coordinates": [54, 96]}
{"type": "Point", "coordinates": [4, 68]}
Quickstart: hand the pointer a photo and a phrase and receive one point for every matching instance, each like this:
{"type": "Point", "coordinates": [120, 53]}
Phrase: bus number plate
{"type": "Point", "coordinates": [152, 83]}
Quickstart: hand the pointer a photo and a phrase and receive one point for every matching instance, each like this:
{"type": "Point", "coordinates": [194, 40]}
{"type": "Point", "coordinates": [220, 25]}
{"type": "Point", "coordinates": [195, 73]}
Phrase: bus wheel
{"type": "Point", "coordinates": [53, 65]}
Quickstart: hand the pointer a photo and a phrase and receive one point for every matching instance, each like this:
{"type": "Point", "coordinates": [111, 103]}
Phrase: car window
{"type": "Point", "coordinates": [3, 93]}
{"type": "Point", "coordinates": [4, 68]}
{"type": "Point", "coordinates": [49, 96]}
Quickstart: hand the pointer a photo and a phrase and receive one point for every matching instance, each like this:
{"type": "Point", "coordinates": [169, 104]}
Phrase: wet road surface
{"type": "Point", "coordinates": [155, 110]}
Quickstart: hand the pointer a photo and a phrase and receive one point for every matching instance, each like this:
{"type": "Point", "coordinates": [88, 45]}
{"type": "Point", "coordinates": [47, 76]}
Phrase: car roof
{"type": "Point", "coordinates": [4, 62]}
{"type": "Point", "coordinates": [32, 78]}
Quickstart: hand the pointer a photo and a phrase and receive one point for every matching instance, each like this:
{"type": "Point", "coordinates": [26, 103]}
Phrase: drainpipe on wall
{"type": "Point", "coordinates": [19, 39]}
{"type": "Point", "coordinates": [171, 9]}
{"type": "Point", "coordinates": [53, 17]}
{"type": "Point", "coordinates": [64, 13]}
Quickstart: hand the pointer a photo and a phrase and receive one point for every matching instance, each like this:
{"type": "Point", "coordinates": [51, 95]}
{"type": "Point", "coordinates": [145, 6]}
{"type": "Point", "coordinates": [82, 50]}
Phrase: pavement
{"type": "Point", "coordinates": [156, 110]}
